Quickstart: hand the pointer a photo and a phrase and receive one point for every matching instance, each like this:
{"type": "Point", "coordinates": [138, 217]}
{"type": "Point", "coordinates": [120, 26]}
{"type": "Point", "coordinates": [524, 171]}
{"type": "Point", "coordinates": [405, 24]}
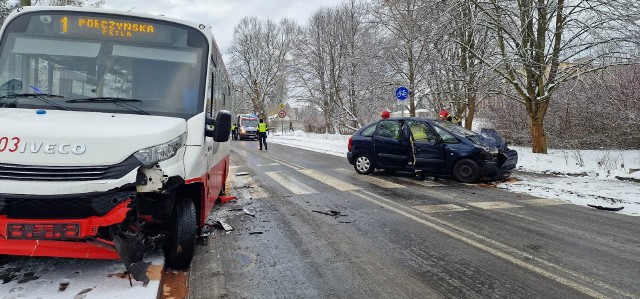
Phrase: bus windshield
{"type": "Point", "coordinates": [102, 63]}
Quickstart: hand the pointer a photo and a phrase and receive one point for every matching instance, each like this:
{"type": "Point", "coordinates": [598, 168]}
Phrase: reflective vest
{"type": "Point", "coordinates": [233, 128]}
{"type": "Point", "coordinates": [454, 119]}
{"type": "Point", "coordinates": [262, 127]}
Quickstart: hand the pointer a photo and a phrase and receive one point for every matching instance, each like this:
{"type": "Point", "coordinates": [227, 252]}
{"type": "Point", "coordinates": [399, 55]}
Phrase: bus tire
{"type": "Point", "coordinates": [180, 246]}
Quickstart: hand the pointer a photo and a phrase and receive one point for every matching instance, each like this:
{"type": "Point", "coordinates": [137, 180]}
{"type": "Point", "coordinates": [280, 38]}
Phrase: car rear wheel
{"type": "Point", "coordinates": [466, 171]}
{"type": "Point", "coordinates": [178, 251]}
{"type": "Point", "coordinates": [363, 165]}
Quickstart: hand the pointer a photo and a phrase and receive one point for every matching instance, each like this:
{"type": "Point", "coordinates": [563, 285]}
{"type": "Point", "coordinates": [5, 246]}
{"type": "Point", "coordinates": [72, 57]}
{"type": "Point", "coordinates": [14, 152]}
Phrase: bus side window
{"type": "Point", "coordinates": [212, 93]}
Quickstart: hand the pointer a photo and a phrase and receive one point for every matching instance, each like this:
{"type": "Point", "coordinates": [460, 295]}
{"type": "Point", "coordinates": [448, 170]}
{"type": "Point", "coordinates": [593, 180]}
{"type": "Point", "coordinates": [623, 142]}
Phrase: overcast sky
{"type": "Point", "coordinates": [224, 15]}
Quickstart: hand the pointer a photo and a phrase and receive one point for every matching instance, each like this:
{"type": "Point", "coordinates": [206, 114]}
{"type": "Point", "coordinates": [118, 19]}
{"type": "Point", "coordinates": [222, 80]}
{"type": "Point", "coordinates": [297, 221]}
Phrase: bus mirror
{"type": "Point", "coordinates": [222, 126]}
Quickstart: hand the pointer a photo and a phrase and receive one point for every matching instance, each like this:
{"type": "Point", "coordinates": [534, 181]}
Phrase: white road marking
{"type": "Point", "coordinates": [369, 179]}
{"type": "Point", "coordinates": [504, 251]}
{"type": "Point", "coordinates": [440, 208]}
{"type": "Point", "coordinates": [490, 205]}
{"type": "Point", "coordinates": [270, 164]}
{"type": "Point", "coordinates": [543, 202]}
{"type": "Point", "coordinates": [246, 186]}
{"type": "Point", "coordinates": [421, 182]}
{"type": "Point", "coordinates": [329, 180]}
{"type": "Point", "coordinates": [292, 184]}
{"type": "Point", "coordinates": [283, 162]}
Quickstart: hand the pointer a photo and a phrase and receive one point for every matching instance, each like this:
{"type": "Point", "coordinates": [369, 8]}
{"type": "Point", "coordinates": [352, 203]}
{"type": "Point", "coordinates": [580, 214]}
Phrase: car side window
{"type": "Point", "coordinates": [389, 129]}
{"type": "Point", "coordinates": [368, 132]}
{"type": "Point", "coordinates": [446, 136]}
{"type": "Point", "coordinates": [421, 132]}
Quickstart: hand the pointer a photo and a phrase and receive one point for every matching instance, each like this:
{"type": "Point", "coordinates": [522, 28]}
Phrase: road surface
{"type": "Point", "coordinates": [321, 230]}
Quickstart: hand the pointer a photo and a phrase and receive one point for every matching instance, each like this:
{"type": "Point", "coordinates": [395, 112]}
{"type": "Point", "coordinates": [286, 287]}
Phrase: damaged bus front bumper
{"type": "Point", "coordinates": [70, 238]}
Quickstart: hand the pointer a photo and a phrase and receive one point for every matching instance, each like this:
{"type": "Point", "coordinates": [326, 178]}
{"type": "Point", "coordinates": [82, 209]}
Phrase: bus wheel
{"type": "Point", "coordinates": [179, 248]}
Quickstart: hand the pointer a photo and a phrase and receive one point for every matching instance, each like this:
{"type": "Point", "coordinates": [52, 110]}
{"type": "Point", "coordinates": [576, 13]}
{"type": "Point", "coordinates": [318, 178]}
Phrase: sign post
{"type": "Point", "coordinates": [281, 115]}
{"type": "Point", "coordinates": [402, 93]}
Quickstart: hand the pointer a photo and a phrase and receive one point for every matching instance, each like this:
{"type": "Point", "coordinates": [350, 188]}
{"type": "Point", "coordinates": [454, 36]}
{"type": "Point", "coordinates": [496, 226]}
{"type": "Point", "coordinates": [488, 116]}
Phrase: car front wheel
{"type": "Point", "coordinates": [466, 171]}
{"type": "Point", "coordinates": [363, 165]}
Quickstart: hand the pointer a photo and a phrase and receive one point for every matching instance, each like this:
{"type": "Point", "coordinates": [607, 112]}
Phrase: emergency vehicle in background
{"type": "Point", "coordinates": [247, 127]}
{"type": "Point", "coordinates": [113, 134]}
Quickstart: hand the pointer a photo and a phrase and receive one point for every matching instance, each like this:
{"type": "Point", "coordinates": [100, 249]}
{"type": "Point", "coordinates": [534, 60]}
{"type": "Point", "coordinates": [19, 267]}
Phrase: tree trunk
{"type": "Point", "coordinates": [471, 112]}
{"type": "Point", "coordinates": [538, 137]}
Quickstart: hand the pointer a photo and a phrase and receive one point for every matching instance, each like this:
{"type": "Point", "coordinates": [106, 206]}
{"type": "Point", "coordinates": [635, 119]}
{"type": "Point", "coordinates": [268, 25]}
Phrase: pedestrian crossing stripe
{"type": "Point", "coordinates": [292, 184]}
{"type": "Point", "coordinates": [369, 179]}
{"type": "Point", "coordinates": [247, 187]}
{"type": "Point", "coordinates": [543, 202]}
{"type": "Point", "coordinates": [329, 180]}
{"type": "Point", "coordinates": [440, 208]}
{"type": "Point", "coordinates": [269, 164]}
{"type": "Point", "coordinates": [490, 205]}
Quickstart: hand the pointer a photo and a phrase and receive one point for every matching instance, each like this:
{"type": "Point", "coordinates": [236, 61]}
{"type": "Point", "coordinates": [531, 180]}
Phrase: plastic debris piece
{"type": "Point", "coordinates": [225, 199]}
{"type": "Point", "coordinates": [249, 213]}
{"type": "Point", "coordinates": [222, 225]}
{"type": "Point", "coordinates": [331, 213]}
{"type": "Point", "coordinates": [606, 208]}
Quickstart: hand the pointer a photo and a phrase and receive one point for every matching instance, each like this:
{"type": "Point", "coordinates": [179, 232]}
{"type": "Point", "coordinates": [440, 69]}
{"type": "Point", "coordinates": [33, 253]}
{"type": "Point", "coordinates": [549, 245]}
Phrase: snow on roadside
{"type": "Point", "coordinates": [25, 277]}
{"type": "Point", "coordinates": [580, 177]}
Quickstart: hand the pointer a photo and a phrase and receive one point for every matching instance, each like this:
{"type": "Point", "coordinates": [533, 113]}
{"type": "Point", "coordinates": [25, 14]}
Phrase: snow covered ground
{"type": "Point", "coordinates": [57, 278]}
{"type": "Point", "coordinates": [604, 178]}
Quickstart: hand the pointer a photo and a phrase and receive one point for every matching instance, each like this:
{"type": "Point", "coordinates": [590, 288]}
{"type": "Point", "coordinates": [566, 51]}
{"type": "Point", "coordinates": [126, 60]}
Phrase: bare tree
{"type": "Point", "coordinates": [458, 80]}
{"type": "Point", "coordinates": [337, 69]}
{"type": "Point", "coordinates": [543, 44]}
{"type": "Point", "coordinates": [408, 25]}
{"type": "Point", "coordinates": [6, 7]}
{"type": "Point", "coordinates": [259, 58]}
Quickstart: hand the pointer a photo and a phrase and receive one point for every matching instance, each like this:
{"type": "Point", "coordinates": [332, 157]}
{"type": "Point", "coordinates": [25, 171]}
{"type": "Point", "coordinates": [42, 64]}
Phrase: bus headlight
{"type": "Point", "coordinates": [152, 155]}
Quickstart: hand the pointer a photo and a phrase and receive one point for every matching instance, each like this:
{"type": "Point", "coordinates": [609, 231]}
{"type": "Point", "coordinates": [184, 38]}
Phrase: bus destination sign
{"type": "Point", "coordinates": [113, 29]}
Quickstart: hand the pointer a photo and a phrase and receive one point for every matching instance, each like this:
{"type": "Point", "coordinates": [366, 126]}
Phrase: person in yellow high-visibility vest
{"type": "Point", "coordinates": [262, 134]}
{"type": "Point", "coordinates": [234, 131]}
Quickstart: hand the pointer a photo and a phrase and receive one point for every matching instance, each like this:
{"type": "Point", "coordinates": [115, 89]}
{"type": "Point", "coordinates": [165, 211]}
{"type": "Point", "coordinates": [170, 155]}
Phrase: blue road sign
{"type": "Point", "coordinates": [402, 93]}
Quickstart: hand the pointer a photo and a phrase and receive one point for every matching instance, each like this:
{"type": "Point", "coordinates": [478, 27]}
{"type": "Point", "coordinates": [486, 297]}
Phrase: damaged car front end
{"type": "Point", "coordinates": [498, 161]}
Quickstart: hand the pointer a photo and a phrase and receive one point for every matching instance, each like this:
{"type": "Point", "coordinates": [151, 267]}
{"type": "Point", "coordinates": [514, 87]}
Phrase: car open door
{"type": "Point", "coordinates": [427, 147]}
{"type": "Point", "coordinates": [390, 145]}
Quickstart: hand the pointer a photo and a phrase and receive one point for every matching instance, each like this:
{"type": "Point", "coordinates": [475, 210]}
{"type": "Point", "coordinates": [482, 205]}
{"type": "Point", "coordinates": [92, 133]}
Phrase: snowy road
{"type": "Point", "coordinates": [315, 228]}
{"type": "Point", "coordinates": [392, 236]}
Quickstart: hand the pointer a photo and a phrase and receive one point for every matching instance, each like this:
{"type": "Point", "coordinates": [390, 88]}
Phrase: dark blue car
{"type": "Point", "coordinates": [431, 147]}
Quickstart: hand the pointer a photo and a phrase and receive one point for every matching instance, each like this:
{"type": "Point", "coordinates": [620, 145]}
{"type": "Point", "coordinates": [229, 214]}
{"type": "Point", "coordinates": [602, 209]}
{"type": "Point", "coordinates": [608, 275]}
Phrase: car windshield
{"type": "Point", "coordinates": [103, 64]}
{"type": "Point", "coordinates": [460, 130]}
{"type": "Point", "coordinates": [249, 123]}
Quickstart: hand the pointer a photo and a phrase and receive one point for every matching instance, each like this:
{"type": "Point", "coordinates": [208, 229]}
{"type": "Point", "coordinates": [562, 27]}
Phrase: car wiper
{"type": "Point", "coordinates": [30, 95]}
{"type": "Point", "coordinates": [102, 100]}
{"type": "Point", "coordinates": [122, 102]}
{"type": "Point", "coordinates": [38, 95]}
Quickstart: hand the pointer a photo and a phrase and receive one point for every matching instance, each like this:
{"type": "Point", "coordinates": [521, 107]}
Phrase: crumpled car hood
{"type": "Point", "coordinates": [491, 139]}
